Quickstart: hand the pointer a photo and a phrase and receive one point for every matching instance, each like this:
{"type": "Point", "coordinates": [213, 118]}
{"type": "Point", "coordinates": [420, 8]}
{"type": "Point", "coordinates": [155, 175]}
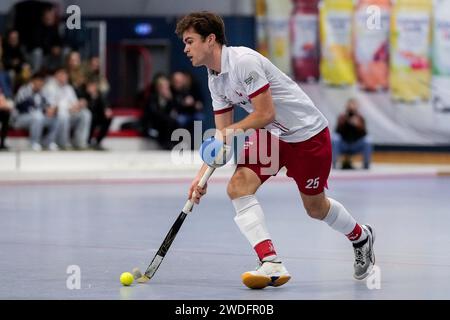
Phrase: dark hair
{"type": "Point", "coordinates": [92, 79]}
{"type": "Point", "coordinates": [58, 69]}
{"type": "Point", "coordinates": [41, 75]}
{"type": "Point", "coordinates": [204, 23]}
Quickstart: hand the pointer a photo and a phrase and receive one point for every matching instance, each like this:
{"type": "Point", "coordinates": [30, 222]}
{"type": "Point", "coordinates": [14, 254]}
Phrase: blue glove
{"type": "Point", "coordinates": [215, 153]}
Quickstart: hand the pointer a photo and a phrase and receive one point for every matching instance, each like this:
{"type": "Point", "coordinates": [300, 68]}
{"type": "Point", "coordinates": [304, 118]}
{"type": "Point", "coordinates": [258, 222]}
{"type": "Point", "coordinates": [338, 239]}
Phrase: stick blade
{"type": "Point", "coordinates": [143, 279]}
{"type": "Point", "coordinates": [136, 273]}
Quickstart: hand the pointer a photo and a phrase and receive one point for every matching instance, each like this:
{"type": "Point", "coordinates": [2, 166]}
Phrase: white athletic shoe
{"type": "Point", "coordinates": [53, 147]}
{"type": "Point", "coordinates": [36, 147]}
{"type": "Point", "coordinates": [364, 254]}
{"type": "Point", "coordinates": [267, 274]}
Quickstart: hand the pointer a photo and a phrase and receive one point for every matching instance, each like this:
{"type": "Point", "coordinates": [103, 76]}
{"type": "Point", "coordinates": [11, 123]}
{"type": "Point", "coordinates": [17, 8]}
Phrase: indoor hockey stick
{"type": "Point", "coordinates": [162, 251]}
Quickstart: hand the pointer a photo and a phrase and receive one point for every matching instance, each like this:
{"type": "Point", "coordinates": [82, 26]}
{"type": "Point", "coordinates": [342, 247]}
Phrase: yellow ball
{"type": "Point", "coordinates": [126, 278]}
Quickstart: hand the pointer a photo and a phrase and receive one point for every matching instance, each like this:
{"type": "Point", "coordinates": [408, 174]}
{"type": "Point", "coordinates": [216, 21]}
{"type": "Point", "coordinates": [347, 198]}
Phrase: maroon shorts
{"type": "Point", "coordinates": [307, 162]}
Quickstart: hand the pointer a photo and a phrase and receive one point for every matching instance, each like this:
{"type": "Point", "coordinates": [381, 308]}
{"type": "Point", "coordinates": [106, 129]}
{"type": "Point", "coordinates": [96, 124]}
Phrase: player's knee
{"type": "Point", "coordinates": [316, 210]}
{"type": "Point", "coordinates": [236, 186]}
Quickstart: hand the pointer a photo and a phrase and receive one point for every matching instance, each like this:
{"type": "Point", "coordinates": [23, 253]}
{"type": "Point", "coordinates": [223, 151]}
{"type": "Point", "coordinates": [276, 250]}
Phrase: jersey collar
{"type": "Point", "coordinates": [223, 63]}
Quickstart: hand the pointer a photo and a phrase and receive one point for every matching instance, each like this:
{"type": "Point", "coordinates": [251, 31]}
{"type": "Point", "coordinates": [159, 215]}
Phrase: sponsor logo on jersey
{"type": "Point", "coordinates": [252, 76]}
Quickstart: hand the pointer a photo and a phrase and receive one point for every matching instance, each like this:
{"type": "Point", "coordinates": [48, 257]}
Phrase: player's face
{"type": "Point", "coordinates": [196, 48]}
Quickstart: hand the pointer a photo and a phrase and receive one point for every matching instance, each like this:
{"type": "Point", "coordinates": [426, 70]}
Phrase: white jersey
{"type": "Point", "coordinates": [244, 74]}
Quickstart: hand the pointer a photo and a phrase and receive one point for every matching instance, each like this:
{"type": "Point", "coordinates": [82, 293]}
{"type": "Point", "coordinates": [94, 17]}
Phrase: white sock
{"type": "Point", "coordinates": [340, 220]}
{"type": "Point", "coordinates": [251, 221]}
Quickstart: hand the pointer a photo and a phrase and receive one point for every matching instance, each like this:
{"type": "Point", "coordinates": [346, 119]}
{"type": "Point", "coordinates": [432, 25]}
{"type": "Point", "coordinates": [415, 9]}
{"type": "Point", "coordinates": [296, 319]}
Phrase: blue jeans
{"type": "Point", "coordinates": [363, 145]}
{"type": "Point", "coordinates": [35, 121]}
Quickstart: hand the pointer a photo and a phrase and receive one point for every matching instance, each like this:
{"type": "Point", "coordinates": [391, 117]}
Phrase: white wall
{"type": "Point", "coordinates": [151, 7]}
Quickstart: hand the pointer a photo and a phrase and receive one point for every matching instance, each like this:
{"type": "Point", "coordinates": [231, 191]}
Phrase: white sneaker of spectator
{"type": "Point", "coordinates": [36, 147]}
{"type": "Point", "coordinates": [53, 147]}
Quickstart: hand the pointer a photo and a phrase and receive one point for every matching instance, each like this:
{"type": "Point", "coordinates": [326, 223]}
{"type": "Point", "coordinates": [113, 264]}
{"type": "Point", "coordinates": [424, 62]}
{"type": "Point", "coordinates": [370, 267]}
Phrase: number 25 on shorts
{"type": "Point", "coordinates": [312, 183]}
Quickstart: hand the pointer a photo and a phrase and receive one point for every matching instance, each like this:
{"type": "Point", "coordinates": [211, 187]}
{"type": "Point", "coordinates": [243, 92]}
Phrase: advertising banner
{"type": "Point", "coordinates": [410, 70]}
{"type": "Point", "coordinates": [336, 65]}
{"type": "Point", "coordinates": [371, 43]}
{"type": "Point", "coordinates": [441, 56]}
{"type": "Point", "coordinates": [305, 46]}
{"type": "Point", "coordinates": [278, 13]}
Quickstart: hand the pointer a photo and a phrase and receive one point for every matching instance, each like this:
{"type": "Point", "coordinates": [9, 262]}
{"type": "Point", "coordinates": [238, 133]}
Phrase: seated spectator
{"type": "Point", "coordinates": [45, 39]}
{"type": "Point", "coordinates": [25, 16]}
{"type": "Point", "coordinates": [351, 137]}
{"type": "Point", "coordinates": [189, 105]}
{"type": "Point", "coordinates": [92, 71]}
{"type": "Point", "coordinates": [14, 60]}
{"type": "Point", "coordinates": [77, 77]}
{"type": "Point", "coordinates": [23, 77]}
{"type": "Point", "coordinates": [159, 116]}
{"type": "Point", "coordinates": [101, 114]}
{"type": "Point", "coordinates": [73, 114]}
{"type": "Point", "coordinates": [6, 105]}
{"type": "Point", "coordinates": [35, 114]}
{"type": "Point", "coordinates": [5, 113]}
{"type": "Point", "coordinates": [13, 53]}
{"type": "Point", "coordinates": [5, 83]}
{"type": "Point", "coordinates": [55, 58]}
